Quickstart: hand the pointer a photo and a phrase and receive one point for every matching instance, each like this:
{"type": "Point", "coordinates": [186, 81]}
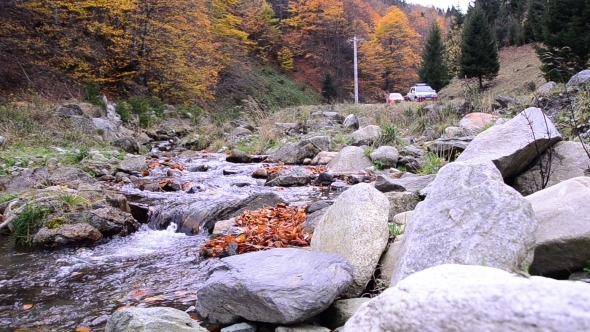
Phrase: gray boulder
{"type": "Point", "coordinates": [475, 298]}
{"type": "Point", "coordinates": [387, 156]}
{"type": "Point", "coordinates": [582, 77]}
{"type": "Point", "coordinates": [515, 144]}
{"type": "Point", "coordinates": [280, 286]}
{"type": "Point", "coordinates": [324, 158]}
{"type": "Point", "coordinates": [563, 236]}
{"type": "Point", "coordinates": [412, 184]}
{"type": "Point", "coordinates": [239, 157]}
{"type": "Point", "coordinates": [351, 122]}
{"type": "Point", "coordinates": [350, 159]}
{"type": "Point", "coordinates": [565, 160]}
{"type": "Point", "coordinates": [503, 101]}
{"type": "Point", "coordinates": [366, 135]}
{"type": "Point", "coordinates": [302, 328]}
{"type": "Point", "coordinates": [3, 141]}
{"type": "Point", "coordinates": [313, 219]}
{"type": "Point", "coordinates": [45, 176]}
{"type": "Point", "coordinates": [355, 226]}
{"type": "Point", "coordinates": [295, 176]}
{"type": "Point", "coordinates": [67, 111]}
{"type": "Point", "coordinates": [473, 123]}
{"type": "Point", "coordinates": [133, 163]}
{"type": "Point", "coordinates": [469, 217]}
{"type": "Point", "coordinates": [68, 234]}
{"type": "Point", "coordinates": [388, 260]}
{"type": "Point", "coordinates": [108, 128]}
{"type": "Point", "coordinates": [156, 319]}
{"type": "Point", "coordinates": [295, 153]}
{"type": "Point", "coordinates": [449, 148]}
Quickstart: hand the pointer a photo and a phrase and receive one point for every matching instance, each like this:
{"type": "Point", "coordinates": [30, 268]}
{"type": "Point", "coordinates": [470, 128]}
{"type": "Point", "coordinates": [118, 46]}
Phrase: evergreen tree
{"type": "Point", "coordinates": [433, 69]}
{"type": "Point", "coordinates": [566, 38]}
{"type": "Point", "coordinates": [491, 9]}
{"type": "Point", "coordinates": [479, 55]}
{"type": "Point", "coordinates": [328, 89]}
{"type": "Point", "coordinates": [533, 30]}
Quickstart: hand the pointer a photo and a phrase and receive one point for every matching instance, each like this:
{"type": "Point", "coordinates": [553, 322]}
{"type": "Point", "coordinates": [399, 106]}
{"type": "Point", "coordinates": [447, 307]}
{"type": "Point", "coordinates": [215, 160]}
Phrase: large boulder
{"type": "Point", "coordinates": [280, 286]}
{"type": "Point", "coordinates": [201, 215]}
{"type": "Point", "coordinates": [464, 298]}
{"type": "Point", "coordinates": [107, 127]}
{"type": "Point", "coordinates": [127, 144]}
{"type": "Point", "coordinates": [350, 159]}
{"type": "Point", "coordinates": [68, 234]}
{"type": "Point", "coordinates": [30, 178]}
{"type": "Point", "coordinates": [156, 319]}
{"type": "Point", "coordinates": [295, 153]}
{"type": "Point", "coordinates": [324, 158]}
{"type": "Point", "coordinates": [469, 217]}
{"type": "Point", "coordinates": [515, 144]}
{"type": "Point", "coordinates": [563, 236]}
{"type": "Point", "coordinates": [449, 148]}
{"type": "Point", "coordinates": [133, 163]}
{"type": "Point", "coordinates": [351, 122]}
{"type": "Point", "coordinates": [355, 226]}
{"type": "Point", "coordinates": [565, 160]}
{"type": "Point", "coordinates": [400, 202]}
{"type": "Point", "coordinates": [366, 135]}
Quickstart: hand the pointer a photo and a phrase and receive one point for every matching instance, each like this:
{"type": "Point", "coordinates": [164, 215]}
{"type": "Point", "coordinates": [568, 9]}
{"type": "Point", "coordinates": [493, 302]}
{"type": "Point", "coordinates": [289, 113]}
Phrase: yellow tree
{"type": "Point", "coordinates": [399, 48]}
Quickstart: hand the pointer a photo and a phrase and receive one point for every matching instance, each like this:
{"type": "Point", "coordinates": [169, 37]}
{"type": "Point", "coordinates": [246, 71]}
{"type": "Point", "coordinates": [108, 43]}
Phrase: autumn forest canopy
{"type": "Point", "coordinates": [220, 52]}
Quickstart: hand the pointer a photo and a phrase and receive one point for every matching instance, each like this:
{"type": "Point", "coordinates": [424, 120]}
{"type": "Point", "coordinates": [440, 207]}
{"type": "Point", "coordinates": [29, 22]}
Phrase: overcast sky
{"type": "Point", "coordinates": [442, 3]}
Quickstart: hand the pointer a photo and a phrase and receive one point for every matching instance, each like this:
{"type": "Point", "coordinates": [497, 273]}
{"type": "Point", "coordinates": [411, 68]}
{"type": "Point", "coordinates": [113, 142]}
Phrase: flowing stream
{"type": "Point", "coordinates": [62, 290]}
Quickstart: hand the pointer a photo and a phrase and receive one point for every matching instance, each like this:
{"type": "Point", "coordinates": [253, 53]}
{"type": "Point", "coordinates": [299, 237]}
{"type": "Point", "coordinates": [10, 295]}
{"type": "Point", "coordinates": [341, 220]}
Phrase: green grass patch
{"type": "Point", "coordinates": [433, 164]}
{"type": "Point", "coordinates": [27, 222]}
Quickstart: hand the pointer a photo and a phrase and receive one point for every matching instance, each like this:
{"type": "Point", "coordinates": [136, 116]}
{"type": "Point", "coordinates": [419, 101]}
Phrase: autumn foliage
{"type": "Point", "coordinates": [187, 50]}
{"type": "Point", "coordinates": [270, 227]}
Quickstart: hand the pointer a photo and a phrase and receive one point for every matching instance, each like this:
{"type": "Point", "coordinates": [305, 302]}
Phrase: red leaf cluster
{"type": "Point", "coordinates": [275, 169]}
{"type": "Point", "coordinates": [179, 167]}
{"type": "Point", "coordinates": [317, 169]}
{"type": "Point", "coordinates": [269, 227]}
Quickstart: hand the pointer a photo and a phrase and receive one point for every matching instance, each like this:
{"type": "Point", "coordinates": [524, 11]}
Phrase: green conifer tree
{"type": "Point", "coordinates": [566, 38]}
{"type": "Point", "coordinates": [328, 89]}
{"type": "Point", "coordinates": [479, 54]}
{"type": "Point", "coordinates": [433, 69]}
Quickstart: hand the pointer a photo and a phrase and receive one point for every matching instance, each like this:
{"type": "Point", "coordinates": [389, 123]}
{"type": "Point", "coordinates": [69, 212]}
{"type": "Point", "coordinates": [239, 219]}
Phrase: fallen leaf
{"type": "Point", "coordinates": [153, 299]}
{"type": "Point", "coordinates": [82, 329]}
{"type": "Point", "coordinates": [27, 306]}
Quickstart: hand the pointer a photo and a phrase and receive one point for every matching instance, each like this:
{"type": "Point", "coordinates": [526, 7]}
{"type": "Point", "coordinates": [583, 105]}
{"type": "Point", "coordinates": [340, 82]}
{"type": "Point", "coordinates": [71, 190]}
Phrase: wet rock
{"type": "Point", "coordinates": [198, 168]}
{"type": "Point", "coordinates": [171, 186]}
{"type": "Point", "coordinates": [340, 312]}
{"type": "Point", "coordinates": [366, 135]}
{"type": "Point", "coordinates": [281, 286]}
{"type": "Point", "coordinates": [295, 176]}
{"type": "Point", "coordinates": [68, 234]}
{"type": "Point", "coordinates": [295, 153]}
{"type": "Point", "coordinates": [514, 145]}
{"type": "Point", "coordinates": [260, 173]}
{"type": "Point", "coordinates": [202, 215]}
{"type": "Point", "coordinates": [133, 163]}
{"type": "Point", "coordinates": [350, 159]}
{"type": "Point", "coordinates": [319, 205]}
{"type": "Point", "coordinates": [355, 226]}
{"type": "Point", "coordinates": [466, 199]}
{"type": "Point", "coordinates": [466, 298]}
{"type": "Point", "coordinates": [324, 179]}
{"type": "Point", "coordinates": [231, 171]}
{"type": "Point", "coordinates": [387, 156]}
{"type": "Point", "coordinates": [118, 201]}
{"type": "Point", "coordinates": [111, 221]}
{"type": "Point", "coordinates": [127, 144]}
{"type": "Point", "coordinates": [351, 122]}
{"type": "Point", "coordinates": [412, 184]}
{"type": "Point", "coordinates": [158, 319]}
{"type": "Point", "coordinates": [238, 156]}
{"type": "Point", "coordinates": [563, 236]}
{"type": "Point", "coordinates": [313, 219]}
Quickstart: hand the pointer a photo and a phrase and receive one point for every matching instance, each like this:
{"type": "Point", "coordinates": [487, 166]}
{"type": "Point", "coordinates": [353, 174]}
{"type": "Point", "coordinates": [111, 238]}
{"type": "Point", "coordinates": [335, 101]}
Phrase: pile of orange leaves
{"type": "Point", "coordinates": [269, 227]}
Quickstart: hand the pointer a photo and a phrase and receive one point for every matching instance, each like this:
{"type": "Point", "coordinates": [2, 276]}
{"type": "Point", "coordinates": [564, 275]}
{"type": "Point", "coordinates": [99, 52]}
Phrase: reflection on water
{"type": "Point", "coordinates": [82, 287]}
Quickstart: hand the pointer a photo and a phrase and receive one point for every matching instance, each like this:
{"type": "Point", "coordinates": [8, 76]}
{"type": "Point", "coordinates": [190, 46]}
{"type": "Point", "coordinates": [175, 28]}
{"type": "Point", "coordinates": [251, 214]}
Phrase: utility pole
{"type": "Point", "coordinates": [354, 40]}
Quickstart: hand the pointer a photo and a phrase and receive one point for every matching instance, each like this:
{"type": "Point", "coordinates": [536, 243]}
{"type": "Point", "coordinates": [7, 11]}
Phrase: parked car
{"type": "Point", "coordinates": [422, 92]}
{"type": "Point", "coordinates": [394, 98]}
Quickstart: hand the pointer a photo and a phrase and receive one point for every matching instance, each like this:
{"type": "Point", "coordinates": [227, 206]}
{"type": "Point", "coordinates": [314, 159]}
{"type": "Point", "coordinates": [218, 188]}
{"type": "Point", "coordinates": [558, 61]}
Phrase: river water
{"type": "Point", "coordinates": [65, 289]}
